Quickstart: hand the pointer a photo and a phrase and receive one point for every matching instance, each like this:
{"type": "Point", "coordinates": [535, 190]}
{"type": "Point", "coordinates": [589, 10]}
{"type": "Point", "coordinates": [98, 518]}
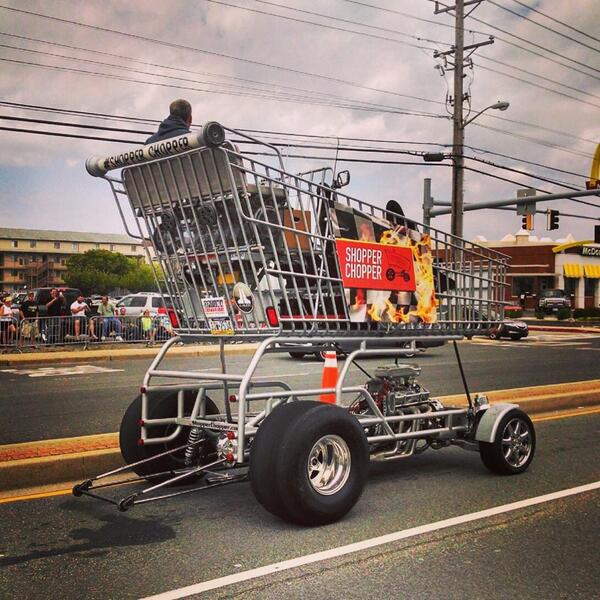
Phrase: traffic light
{"type": "Point", "coordinates": [552, 220]}
{"type": "Point", "coordinates": [527, 222]}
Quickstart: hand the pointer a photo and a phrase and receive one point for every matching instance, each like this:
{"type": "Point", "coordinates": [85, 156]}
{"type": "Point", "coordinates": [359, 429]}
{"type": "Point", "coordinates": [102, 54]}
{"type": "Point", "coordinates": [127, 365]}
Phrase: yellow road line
{"type": "Point", "coordinates": [35, 496]}
{"type": "Point", "coordinates": [11, 499]}
{"type": "Point", "coordinates": [574, 413]}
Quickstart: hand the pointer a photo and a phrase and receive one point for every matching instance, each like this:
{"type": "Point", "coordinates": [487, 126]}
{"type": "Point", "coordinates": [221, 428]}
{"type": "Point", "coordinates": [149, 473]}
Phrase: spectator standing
{"type": "Point", "coordinates": [107, 311]}
{"type": "Point", "coordinates": [30, 329]}
{"type": "Point", "coordinates": [148, 329]}
{"type": "Point", "coordinates": [55, 307]}
{"type": "Point", "coordinates": [7, 325]}
{"type": "Point", "coordinates": [177, 123]}
{"type": "Point", "coordinates": [79, 310]}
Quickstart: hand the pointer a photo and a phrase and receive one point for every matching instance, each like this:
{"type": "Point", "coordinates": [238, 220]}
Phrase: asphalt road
{"type": "Point", "coordinates": [64, 547]}
{"type": "Point", "coordinates": [46, 403]}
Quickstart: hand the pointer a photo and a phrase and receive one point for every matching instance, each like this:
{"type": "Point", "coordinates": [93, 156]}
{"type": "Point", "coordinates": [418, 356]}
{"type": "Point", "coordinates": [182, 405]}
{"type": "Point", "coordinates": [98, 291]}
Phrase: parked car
{"type": "Point", "coordinates": [347, 346]}
{"type": "Point", "coordinates": [509, 328]}
{"type": "Point", "coordinates": [552, 300]}
{"type": "Point", "coordinates": [134, 305]}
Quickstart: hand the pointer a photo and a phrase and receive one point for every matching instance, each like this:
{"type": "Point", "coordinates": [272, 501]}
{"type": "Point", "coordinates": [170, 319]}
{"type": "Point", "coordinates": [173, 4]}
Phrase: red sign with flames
{"type": "Point", "coordinates": [368, 265]}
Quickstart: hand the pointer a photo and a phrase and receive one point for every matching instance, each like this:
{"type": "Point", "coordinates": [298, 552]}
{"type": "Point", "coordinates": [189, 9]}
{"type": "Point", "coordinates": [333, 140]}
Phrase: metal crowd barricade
{"type": "Point", "coordinates": [54, 331]}
{"type": "Point", "coordinates": [9, 327]}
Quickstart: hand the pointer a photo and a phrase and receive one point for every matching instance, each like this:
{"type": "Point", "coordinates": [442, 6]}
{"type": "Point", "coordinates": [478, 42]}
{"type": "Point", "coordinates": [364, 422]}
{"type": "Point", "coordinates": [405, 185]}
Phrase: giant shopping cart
{"type": "Point", "coordinates": [247, 251]}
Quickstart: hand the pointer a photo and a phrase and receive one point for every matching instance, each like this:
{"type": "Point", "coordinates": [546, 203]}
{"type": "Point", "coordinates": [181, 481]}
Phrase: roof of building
{"type": "Point", "coordinates": [65, 236]}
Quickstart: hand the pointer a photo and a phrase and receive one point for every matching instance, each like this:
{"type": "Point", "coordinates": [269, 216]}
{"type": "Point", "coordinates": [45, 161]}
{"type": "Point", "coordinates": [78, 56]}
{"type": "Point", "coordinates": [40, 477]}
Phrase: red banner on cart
{"type": "Point", "coordinates": [368, 265]}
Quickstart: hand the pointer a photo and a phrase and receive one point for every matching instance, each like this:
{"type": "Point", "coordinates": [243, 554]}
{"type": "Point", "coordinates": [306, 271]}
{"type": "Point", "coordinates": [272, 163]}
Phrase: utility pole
{"type": "Point", "coordinates": [458, 138]}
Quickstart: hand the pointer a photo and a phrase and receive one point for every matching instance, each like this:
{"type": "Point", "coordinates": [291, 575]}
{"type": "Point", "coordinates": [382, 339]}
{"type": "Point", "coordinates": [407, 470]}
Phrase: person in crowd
{"type": "Point", "coordinates": [107, 311]}
{"type": "Point", "coordinates": [30, 328]}
{"type": "Point", "coordinates": [7, 322]}
{"type": "Point", "coordinates": [177, 123]}
{"type": "Point", "coordinates": [79, 310]}
{"type": "Point", "coordinates": [55, 308]}
{"type": "Point", "coordinates": [147, 327]}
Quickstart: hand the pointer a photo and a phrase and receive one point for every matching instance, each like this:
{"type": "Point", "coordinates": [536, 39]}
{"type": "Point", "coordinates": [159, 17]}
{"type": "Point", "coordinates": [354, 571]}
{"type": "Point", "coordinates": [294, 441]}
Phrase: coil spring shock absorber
{"type": "Point", "coordinates": [191, 450]}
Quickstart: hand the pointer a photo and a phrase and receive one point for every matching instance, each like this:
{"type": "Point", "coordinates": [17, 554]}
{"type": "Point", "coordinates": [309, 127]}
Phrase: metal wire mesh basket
{"type": "Point", "coordinates": [244, 248]}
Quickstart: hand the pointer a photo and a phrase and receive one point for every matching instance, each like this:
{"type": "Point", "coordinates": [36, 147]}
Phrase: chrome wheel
{"type": "Point", "coordinates": [516, 442]}
{"type": "Point", "coordinates": [329, 465]}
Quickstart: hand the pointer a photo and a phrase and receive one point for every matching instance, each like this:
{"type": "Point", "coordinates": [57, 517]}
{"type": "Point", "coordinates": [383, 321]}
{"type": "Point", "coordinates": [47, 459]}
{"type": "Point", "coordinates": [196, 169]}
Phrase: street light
{"type": "Point", "coordinates": [458, 166]}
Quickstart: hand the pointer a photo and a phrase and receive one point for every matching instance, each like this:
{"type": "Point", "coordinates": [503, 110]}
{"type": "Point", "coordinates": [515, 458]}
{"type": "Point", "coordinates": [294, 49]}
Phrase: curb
{"type": "Point", "coordinates": [55, 462]}
{"type": "Point", "coordinates": [120, 354]}
{"type": "Point", "coordinates": [590, 330]}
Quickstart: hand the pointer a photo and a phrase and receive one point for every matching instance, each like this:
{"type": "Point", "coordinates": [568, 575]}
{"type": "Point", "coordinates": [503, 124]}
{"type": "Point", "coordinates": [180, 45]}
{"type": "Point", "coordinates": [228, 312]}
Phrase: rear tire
{"type": "Point", "coordinates": [161, 405]}
{"type": "Point", "coordinates": [309, 463]}
{"type": "Point", "coordinates": [297, 355]}
{"type": "Point", "coordinates": [512, 451]}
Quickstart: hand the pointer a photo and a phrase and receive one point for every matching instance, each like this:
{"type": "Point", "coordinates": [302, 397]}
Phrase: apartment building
{"type": "Point", "coordinates": [38, 258]}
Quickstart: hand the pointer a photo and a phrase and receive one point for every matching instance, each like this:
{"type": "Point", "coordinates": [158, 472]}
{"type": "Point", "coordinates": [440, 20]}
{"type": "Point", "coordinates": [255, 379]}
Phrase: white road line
{"type": "Point", "coordinates": [366, 544]}
{"type": "Point", "coordinates": [61, 371]}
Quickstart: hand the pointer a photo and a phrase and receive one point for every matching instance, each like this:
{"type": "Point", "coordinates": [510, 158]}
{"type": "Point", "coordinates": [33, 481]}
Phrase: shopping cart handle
{"type": "Point", "coordinates": [212, 134]}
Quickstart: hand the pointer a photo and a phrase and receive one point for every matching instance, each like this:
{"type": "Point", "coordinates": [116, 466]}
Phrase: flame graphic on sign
{"type": "Point", "coordinates": [384, 310]}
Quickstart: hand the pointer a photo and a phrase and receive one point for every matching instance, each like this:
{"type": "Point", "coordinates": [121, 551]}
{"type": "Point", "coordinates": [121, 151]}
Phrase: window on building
{"type": "Point", "coordinates": [546, 283]}
{"type": "Point", "coordinates": [15, 243]}
{"type": "Point", "coordinates": [112, 247]}
{"type": "Point", "coordinates": [589, 287]}
{"type": "Point", "coordinates": [134, 248]}
{"type": "Point", "coordinates": [570, 286]}
{"type": "Point", "coordinates": [32, 243]}
{"type": "Point", "coordinates": [75, 246]}
{"type": "Point", "coordinates": [57, 245]}
{"type": "Point", "coordinates": [96, 246]}
{"type": "Point", "coordinates": [21, 261]}
{"type": "Point", "coordinates": [21, 276]}
{"type": "Point", "coordinates": [13, 272]}
{"type": "Point", "coordinates": [522, 285]}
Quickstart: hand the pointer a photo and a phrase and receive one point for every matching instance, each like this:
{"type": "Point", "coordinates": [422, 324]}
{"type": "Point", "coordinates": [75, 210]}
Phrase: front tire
{"type": "Point", "coordinates": [161, 405]}
{"type": "Point", "coordinates": [512, 451]}
{"type": "Point", "coordinates": [297, 355]}
{"type": "Point", "coordinates": [309, 463]}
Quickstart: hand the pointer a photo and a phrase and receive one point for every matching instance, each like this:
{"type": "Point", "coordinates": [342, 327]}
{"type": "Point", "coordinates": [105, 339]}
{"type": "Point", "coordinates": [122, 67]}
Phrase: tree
{"type": "Point", "coordinates": [101, 271]}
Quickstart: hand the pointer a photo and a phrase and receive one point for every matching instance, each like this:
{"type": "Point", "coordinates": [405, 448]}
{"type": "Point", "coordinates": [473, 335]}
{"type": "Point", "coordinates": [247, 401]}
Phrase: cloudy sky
{"type": "Point", "coordinates": [359, 74]}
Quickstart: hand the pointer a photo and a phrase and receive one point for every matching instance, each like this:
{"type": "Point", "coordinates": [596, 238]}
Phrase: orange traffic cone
{"type": "Point", "coordinates": [330, 375]}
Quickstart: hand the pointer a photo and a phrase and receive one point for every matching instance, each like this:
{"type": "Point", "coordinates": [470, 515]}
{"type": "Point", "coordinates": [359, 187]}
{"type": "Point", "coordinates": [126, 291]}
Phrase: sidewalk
{"type": "Point", "coordinates": [65, 356]}
{"type": "Point", "coordinates": [62, 461]}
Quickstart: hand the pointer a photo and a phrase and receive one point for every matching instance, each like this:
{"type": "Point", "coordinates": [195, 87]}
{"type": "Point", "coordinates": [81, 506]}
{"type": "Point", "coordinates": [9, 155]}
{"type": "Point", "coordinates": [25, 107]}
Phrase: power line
{"type": "Point", "coordinates": [211, 53]}
{"type": "Point", "coordinates": [243, 94]}
{"type": "Point", "coordinates": [263, 132]}
{"type": "Point", "coordinates": [570, 87]}
{"type": "Point", "coordinates": [259, 90]}
{"type": "Point", "coordinates": [168, 67]}
{"type": "Point", "coordinates": [526, 18]}
{"type": "Point", "coordinates": [487, 33]}
{"type": "Point", "coordinates": [292, 145]}
{"type": "Point", "coordinates": [531, 140]}
{"type": "Point", "coordinates": [535, 45]}
{"type": "Point", "coordinates": [539, 12]}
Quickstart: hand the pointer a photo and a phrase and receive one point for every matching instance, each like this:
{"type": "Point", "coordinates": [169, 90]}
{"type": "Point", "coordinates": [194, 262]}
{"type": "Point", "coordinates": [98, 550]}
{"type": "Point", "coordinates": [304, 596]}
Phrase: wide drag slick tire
{"type": "Point", "coordinates": [161, 405]}
{"type": "Point", "coordinates": [513, 449]}
{"type": "Point", "coordinates": [309, 462]}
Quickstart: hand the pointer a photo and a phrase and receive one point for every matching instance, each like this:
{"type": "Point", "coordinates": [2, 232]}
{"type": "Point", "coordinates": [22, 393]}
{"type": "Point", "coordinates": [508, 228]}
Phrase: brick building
{"type": "Point", "coordinates": [537, 264]}
{"type": "Point", "coordinates": [37, 258]}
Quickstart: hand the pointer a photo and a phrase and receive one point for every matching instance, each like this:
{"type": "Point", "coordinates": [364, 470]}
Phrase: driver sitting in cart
{"type": "Point", "coordinates": [177, 123]}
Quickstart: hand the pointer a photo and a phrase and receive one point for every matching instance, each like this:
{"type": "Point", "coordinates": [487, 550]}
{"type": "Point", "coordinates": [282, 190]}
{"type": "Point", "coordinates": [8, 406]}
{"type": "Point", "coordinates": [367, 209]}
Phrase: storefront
{"type": "Point", "coordinates": [539, 264]}
{"type": "Point", "coordinates": [578, 272]}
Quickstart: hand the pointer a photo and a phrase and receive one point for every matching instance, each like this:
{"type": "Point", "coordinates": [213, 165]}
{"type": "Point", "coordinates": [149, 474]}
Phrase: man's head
{"type": "Point", "coordinates": [182, 109]}
{"type": "Point", "coordinates": [29, 295]}
{"type": "Point", "coordinates": [54, 292]}
{"type": "Point", "coordinates": [8, 300]}
{"type": "Point", "coordinates": [104, 299]}
{"type": "Point", "coordinates": [80, 298]}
